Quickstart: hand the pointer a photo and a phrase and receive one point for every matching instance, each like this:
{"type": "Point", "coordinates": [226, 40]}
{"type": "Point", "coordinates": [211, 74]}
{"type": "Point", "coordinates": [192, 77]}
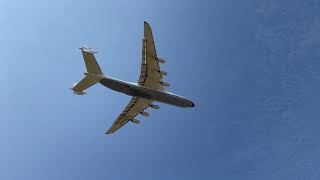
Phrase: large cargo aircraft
{"type": "Point", "coordinates": [149, 88]}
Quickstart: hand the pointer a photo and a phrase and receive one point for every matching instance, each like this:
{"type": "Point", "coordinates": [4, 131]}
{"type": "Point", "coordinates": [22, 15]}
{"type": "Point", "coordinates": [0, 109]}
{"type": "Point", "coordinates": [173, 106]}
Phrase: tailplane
{"type": "Point", "coordinates": [93, 68]}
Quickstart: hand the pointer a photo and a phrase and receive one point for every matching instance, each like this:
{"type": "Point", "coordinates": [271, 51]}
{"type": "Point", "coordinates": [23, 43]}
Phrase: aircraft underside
{"type": "Point", "coordinates": [142, 92]}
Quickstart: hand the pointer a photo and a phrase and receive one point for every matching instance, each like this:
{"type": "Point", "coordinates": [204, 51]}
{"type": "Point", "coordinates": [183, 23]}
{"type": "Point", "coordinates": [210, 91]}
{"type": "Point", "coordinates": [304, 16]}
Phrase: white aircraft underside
{"type": "Point", "coordinates": [150, 86]}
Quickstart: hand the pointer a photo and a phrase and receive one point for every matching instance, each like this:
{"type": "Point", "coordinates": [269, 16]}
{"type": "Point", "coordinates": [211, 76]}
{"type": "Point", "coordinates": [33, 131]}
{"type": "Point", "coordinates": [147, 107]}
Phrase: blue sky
{"type": "Point", "coordinates": [251, 67]}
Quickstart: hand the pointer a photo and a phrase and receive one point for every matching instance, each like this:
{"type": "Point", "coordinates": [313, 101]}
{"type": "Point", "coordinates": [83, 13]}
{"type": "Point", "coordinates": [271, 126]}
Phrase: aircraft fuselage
{"type": "Point", "coordinates": [136, 90]}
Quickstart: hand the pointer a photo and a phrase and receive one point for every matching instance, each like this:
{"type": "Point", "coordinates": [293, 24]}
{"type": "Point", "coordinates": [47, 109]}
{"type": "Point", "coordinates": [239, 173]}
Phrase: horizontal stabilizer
{"type": "Point", "coordinates": [84, 84]}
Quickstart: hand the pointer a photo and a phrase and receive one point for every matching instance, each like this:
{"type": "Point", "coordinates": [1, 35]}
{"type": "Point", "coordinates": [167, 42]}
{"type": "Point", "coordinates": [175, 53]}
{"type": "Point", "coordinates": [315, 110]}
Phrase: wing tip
{"type": "Point", "coordinates": [147, 25]}
{"type": "Point", "coordinates": [88, 50]}
{"type": "Point", "coordinates": [108, 132]}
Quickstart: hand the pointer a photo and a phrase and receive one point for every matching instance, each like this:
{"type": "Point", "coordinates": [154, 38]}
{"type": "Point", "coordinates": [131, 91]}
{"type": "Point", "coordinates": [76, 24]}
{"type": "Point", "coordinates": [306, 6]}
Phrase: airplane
{"type": "Point", "coordinates": [149, 88]}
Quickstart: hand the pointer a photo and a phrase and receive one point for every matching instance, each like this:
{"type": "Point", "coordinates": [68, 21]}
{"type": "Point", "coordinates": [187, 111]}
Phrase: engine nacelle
{"type": "Point", "coordinates": [135, 121]}
{"type": "Point", "coordinates": [161, 61]}
{"type": "Point", "coordinates": [146, 114]}
{"type": "Point", "coordinates": [165, 84]}
{"type": "Point", "coordinates": [153, 106]}
{"type": "Point", "coordinates": [163, 73]}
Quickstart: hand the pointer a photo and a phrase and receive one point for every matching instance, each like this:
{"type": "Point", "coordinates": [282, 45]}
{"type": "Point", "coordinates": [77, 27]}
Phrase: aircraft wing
{"type": "Point", "coordinates": [151, 75]}
{"type": "Point", "coordinates": [135, 106]}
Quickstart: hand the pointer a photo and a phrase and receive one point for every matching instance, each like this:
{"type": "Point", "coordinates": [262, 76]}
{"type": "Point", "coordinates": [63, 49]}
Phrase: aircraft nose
{"type": "Point", "coordinates": [192, 104]}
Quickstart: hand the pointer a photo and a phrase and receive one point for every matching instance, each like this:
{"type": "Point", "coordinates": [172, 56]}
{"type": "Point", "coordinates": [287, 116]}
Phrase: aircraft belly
{"type": "Point", "coordinates": [142, 92]}
{"type": "Point", "coordinates": [171, 99]}
{"type": "Point", "coordinates": [163, 97]}
{"type": "Point", "coordinates": [124, 87]}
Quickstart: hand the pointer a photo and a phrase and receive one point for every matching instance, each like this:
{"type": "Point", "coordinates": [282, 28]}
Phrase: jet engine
{"type": "Point", "coordinates": [146, 114]}
{"type": "Point", "coordinates": [135, 121]}
{"type": "Point", "coordinates": [161, 61]}
{"type": "Point", "coordinates": [163, 73]}
{"type": "Point", "coordinates": [153, 106]}
{"type": "Point", "coordinates": [165, 84]}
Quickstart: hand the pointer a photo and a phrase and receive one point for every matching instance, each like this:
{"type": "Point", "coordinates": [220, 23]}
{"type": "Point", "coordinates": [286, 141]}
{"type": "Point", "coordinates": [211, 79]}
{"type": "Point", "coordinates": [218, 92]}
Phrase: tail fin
{"type": "Point", "coordinates": [92, 68]}
{"type": "Point", "coordinates": [90, 61]}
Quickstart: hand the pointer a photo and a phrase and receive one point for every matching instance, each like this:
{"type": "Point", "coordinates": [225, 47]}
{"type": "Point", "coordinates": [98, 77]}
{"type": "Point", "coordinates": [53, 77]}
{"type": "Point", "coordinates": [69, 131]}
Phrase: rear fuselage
{"type": "Point", "coordinates": [132, 89]}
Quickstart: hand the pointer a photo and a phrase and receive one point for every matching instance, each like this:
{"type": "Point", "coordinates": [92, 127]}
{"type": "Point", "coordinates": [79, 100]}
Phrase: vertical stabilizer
{"type": "Point", "coordinates": [90, 61]}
